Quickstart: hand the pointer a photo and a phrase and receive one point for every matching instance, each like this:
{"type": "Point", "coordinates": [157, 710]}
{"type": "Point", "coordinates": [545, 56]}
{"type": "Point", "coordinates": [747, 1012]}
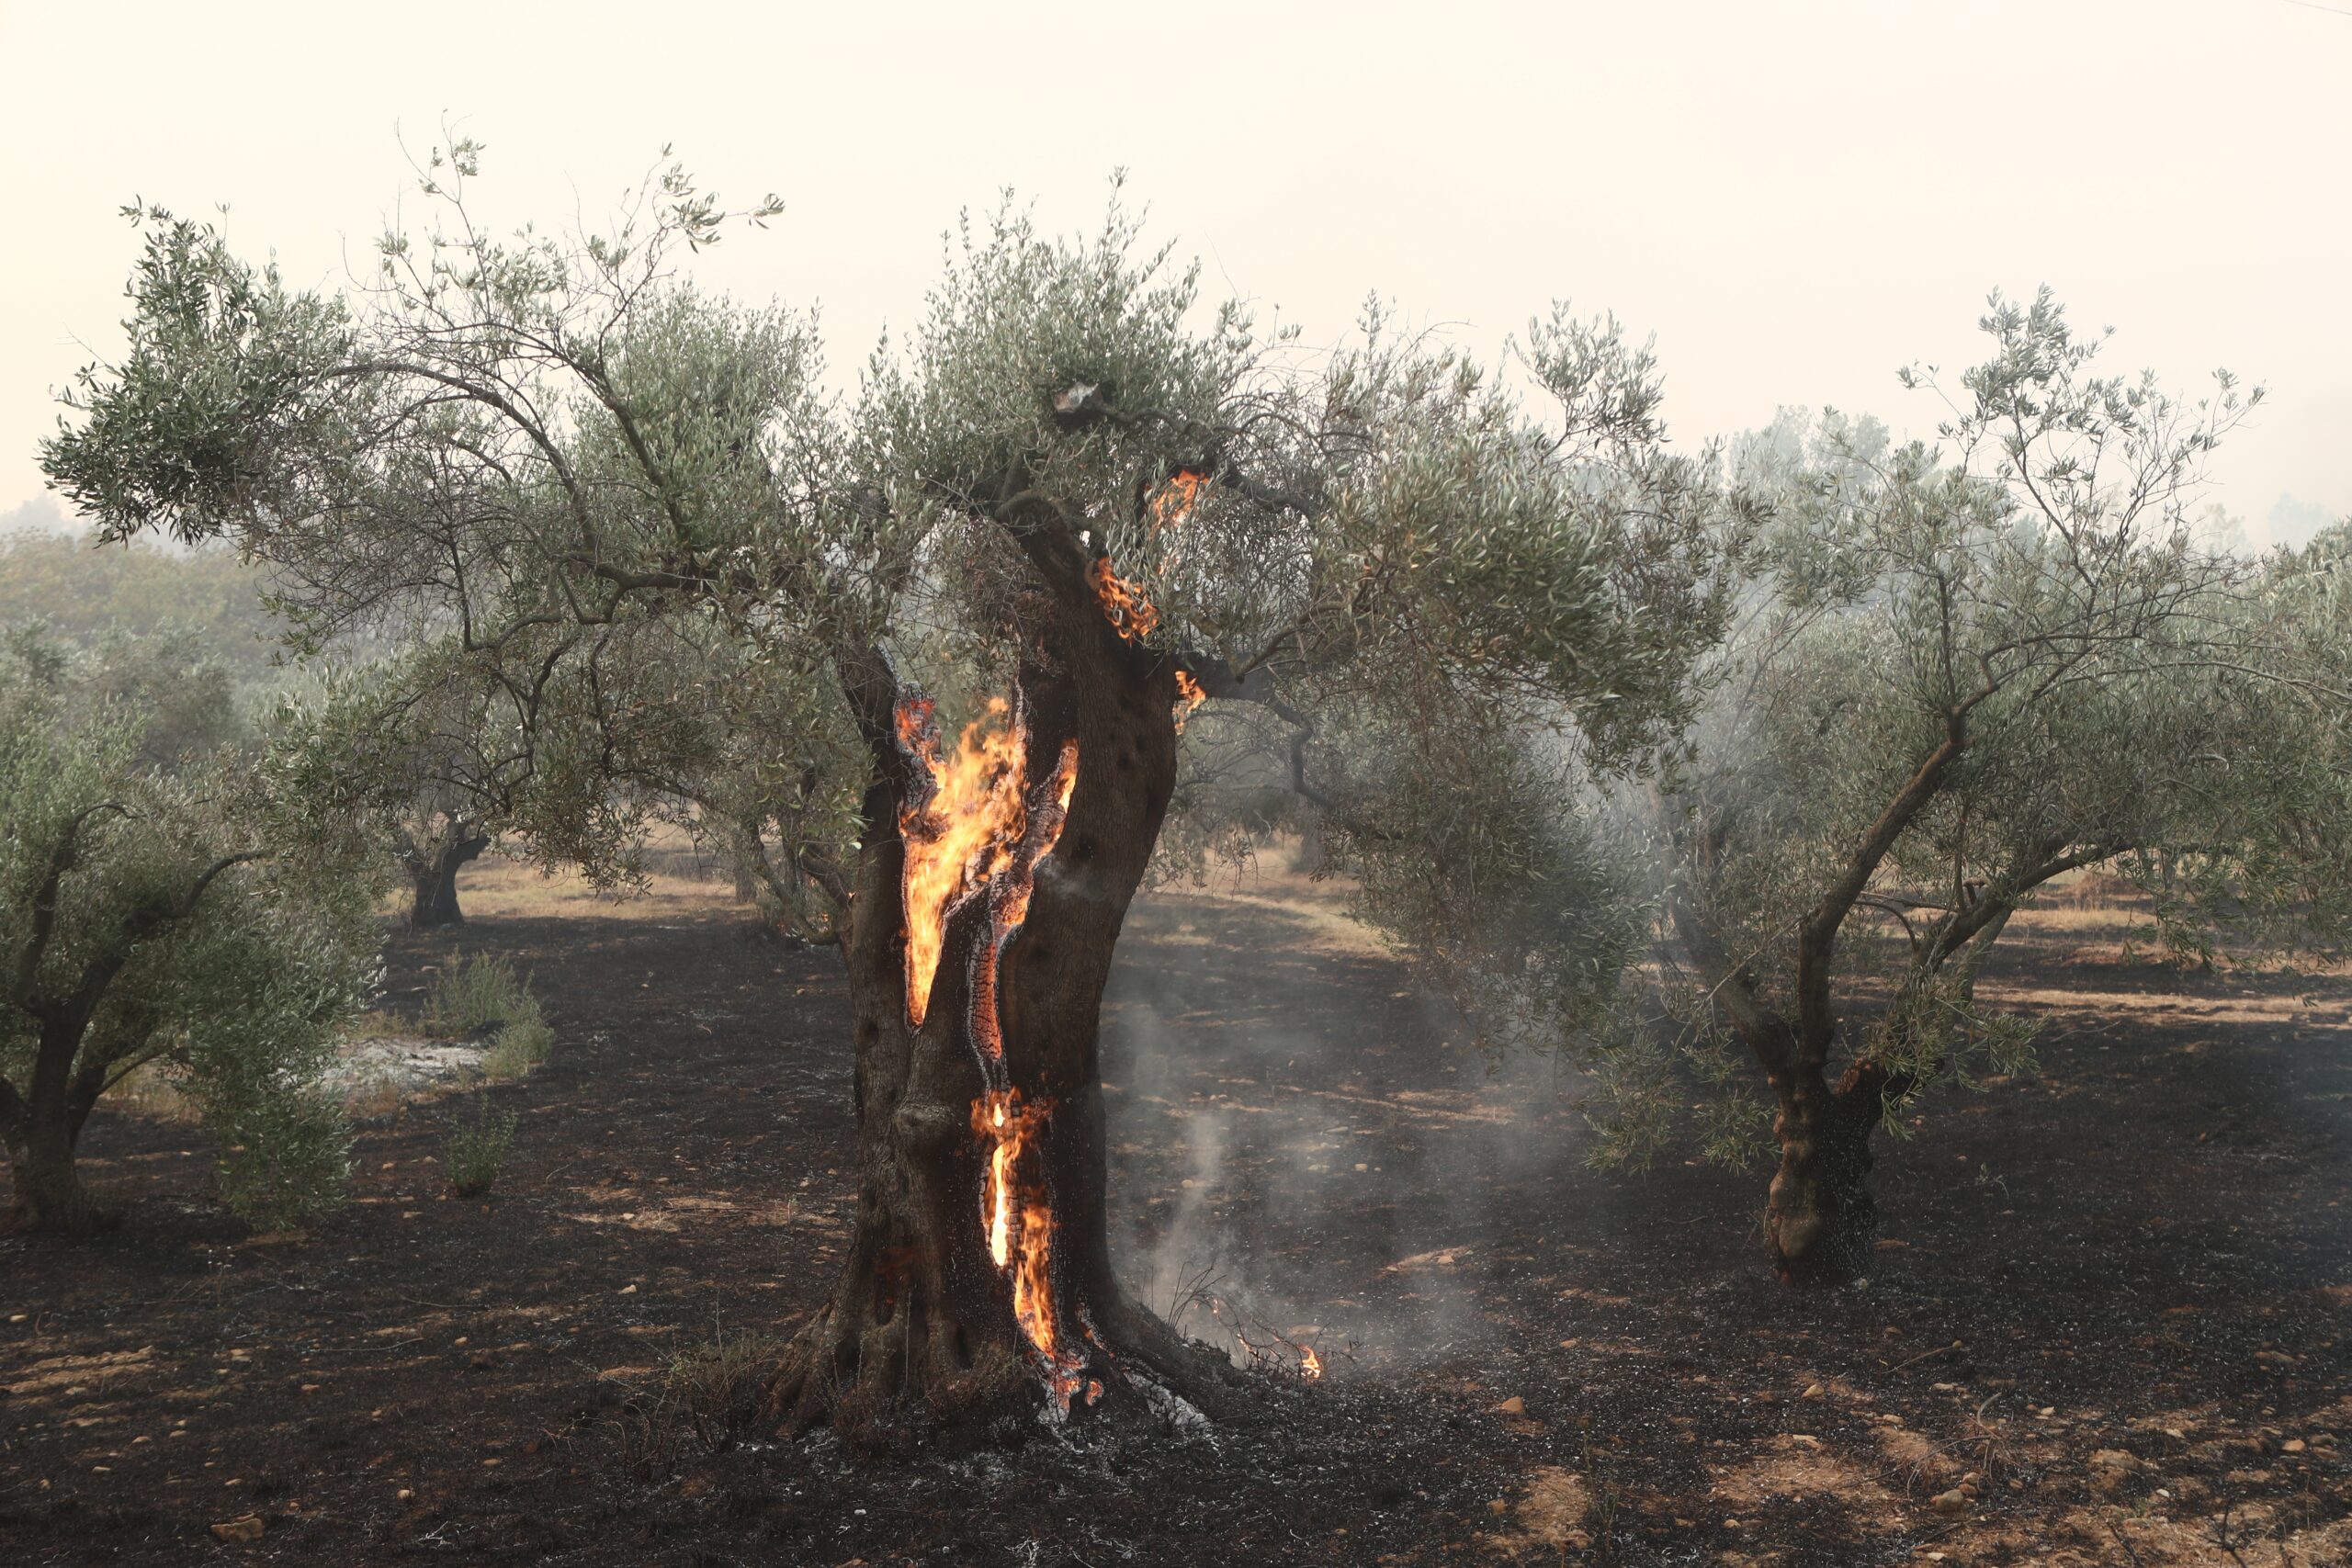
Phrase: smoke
{"type": "Point", "coordinates": [1305, 1151]}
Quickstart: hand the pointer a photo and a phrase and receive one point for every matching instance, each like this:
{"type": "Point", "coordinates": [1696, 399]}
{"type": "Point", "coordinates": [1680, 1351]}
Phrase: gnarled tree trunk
{"type": "Point", "coordinates": [1822, 1222]}
{"type": "Point", "coordinates": [435, 874]}
{"type": "Point", "coordinates": [978, 1280]}
{"type": "Point", "coordinates": [41, 1130]}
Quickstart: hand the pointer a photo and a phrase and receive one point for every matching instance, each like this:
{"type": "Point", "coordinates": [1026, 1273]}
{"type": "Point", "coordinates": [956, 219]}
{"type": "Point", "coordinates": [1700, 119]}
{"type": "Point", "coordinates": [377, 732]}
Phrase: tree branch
{"type": "Point", "coordinates": [61, 860]}
{"type": "Point", "coordinates": [1818, 933]}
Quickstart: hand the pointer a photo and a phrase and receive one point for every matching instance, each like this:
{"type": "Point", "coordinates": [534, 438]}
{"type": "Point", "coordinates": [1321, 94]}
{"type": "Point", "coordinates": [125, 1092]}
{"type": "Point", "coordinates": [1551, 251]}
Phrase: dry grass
{"type": "Point", "coordinates": [154, 1092]}
{"type": "Point", "coordinates": [1269, 881]}
{"type": "Point", "coordinates": [680, 884]}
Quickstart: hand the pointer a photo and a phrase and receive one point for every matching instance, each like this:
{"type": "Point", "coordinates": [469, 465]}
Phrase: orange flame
{"type": "Point", "coordinates": [980, 831]}
{"type": "Point", "coordinates": [961, 835]}
{"type": "Point", "coordinates": [1189, 696]}
{"type": "Point", "coordinates": [1310, 1365]}
{"type": "Point", "coordinates": [1130, 613]}
{"type": "Point", "coordinates": [1177, 497]}
{"type": "Point", "coordinates": [1020, 1223]}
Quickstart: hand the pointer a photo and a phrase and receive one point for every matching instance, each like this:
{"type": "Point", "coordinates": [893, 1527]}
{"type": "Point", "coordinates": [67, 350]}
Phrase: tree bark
{"type": "Point", "coordinates": [41, 1137]}
{"type": "Point", "coordinates": [978, 1284]}
{"type": "Point", "coordinates": [1822, 1222]}
{"type": "Point", "coordinates": [436, 879]}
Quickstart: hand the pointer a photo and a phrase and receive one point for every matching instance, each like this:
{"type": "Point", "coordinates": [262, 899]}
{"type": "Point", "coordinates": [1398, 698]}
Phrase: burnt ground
{"type": "Point", "coordinates": [2113, 1296]}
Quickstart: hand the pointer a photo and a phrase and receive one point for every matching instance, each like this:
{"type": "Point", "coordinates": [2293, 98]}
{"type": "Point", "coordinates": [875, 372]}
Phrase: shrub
{"type": "Point", "coordinates": [287, 1160]}
{"type": "Point", "coordinates": [716, 1386]}
{"type": "Point", "coordinates": [518, 1047]}
{"type": "Point", "coordinates": [473, 1157]}
{"type": "Point", "coordinates": [485, 996]}
{"type": "Point", "coordinates": [479, 995]}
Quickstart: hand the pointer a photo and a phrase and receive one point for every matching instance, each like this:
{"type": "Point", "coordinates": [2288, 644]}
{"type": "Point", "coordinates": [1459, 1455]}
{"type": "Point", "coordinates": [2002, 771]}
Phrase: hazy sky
{"type": "Point", "coordinates": [1795, 198]}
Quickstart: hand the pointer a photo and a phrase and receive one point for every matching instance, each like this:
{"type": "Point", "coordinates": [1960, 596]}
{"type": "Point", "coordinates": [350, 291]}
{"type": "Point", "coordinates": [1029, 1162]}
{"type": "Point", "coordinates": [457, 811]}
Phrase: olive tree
{"type": "Point", "coordinates": [1958, 673]}
{"type": "Point", "coordinates": [424, 769]}
{"type": "Point", "coordinates": [189, 919]}
{"type": "Point", "coordinates": [928, 649]}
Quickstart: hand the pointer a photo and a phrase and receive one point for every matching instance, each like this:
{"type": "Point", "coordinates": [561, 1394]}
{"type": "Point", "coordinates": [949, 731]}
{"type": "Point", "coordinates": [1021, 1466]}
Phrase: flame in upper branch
{"type": "Point", "coordinates": [962, 833]}
{"type": "Point", "coordinates": [1189, 696]}
{"type": "Point", "coordinates": [1176, 499]}
{"type": "Point", "coordinates": [1131, 614]}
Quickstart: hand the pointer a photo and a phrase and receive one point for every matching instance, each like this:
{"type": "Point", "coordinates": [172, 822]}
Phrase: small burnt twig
{"type": "Point", "coordinates": [2221, 1533]}
{"type": "Point", "coordinates": [2124, 1541]}
{"type": "Point", "coordinates": [1291, 1357]}
{"type": "Point", "coordinates": [1196, 1289]}
{"type": "Point", "coordinates": [1929, 1355]}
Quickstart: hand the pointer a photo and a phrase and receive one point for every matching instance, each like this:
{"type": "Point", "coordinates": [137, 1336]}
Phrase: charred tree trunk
{"type": "Point", "coordinates": [1822, 1222]}
{"type": "Point", "coordinates": [979, 1282]}
{"type": "Point", "coordinates": [435, 877]}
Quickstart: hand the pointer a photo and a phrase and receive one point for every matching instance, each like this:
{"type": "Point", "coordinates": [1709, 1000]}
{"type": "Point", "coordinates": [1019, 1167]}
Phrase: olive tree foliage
{"type": "Point", "coordinates": [193, 919]}
{"type": "Point", "coordinates": [625, 511]}
{"type": "Point", "coordinates": [1499, 597]}
{"type": "Point", "coordinates": [559, 480]}
{"type": "Point", "coordinates": [1957, 673]}
{"type": "Point", "coordinates": [182, 695]}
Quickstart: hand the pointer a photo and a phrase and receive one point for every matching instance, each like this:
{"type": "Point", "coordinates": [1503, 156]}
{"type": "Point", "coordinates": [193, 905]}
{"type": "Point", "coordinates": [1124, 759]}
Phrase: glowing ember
{"type": "Point", "coordinates": [1189, 696]}
{"type": "Point", "coordinates": [1310, 1365]}
{"type": "Point", "coordinates": [982, 831]}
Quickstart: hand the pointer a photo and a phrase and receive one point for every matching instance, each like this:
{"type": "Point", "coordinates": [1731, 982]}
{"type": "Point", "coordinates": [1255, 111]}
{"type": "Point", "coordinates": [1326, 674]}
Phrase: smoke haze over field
{"type": "Point", "coordinates": [1796, 199]}
{"type": "Point", "coordinates": [1274, 1142]}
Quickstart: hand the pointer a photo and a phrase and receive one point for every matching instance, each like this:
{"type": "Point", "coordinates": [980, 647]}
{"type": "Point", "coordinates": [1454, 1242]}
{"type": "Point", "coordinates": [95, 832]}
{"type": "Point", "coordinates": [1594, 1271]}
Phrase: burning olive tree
{"type": "Point", "coordinates": [926, 653]}
{"type": "Point", "coordinates": [1958, 675]}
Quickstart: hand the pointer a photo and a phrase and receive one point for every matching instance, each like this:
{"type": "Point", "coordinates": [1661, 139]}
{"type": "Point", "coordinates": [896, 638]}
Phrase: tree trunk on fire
{"type": "Point", "coordinates": [436, 879]}
{"type": "Point", "coordinates": [978, 1280]}
{"type": "Point", "coordinates": [1822, 1222]}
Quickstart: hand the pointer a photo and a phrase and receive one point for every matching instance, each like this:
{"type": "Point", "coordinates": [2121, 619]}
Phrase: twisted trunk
{"type": "Point", "coordinates": [435, 875]}
{"type": "Point", "coordinates": [979, 1282]}
{"type": "Point", "coordinates": [1821, 1221]}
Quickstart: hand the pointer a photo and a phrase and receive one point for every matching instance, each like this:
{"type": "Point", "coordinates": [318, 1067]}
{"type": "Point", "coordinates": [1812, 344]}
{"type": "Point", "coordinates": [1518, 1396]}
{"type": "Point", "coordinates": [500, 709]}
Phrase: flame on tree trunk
{"type": "Point", "coordinates": [977, 1283]}
{"type": "Point", "coordinates": [979, 832]}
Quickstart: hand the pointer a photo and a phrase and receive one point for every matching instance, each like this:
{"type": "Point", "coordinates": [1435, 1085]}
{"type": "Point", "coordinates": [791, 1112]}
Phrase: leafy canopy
{"type": "Point", "coordinates": [624, 514]}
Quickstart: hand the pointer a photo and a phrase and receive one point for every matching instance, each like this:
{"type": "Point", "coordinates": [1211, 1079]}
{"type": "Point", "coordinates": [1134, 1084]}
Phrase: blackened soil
{"type": "Point", "coordinates": [2108, 1325]}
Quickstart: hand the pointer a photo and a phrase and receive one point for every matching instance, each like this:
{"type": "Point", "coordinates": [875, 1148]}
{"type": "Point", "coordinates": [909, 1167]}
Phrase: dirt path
{"type": "Point", "coordinates": [2125, 1332]}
